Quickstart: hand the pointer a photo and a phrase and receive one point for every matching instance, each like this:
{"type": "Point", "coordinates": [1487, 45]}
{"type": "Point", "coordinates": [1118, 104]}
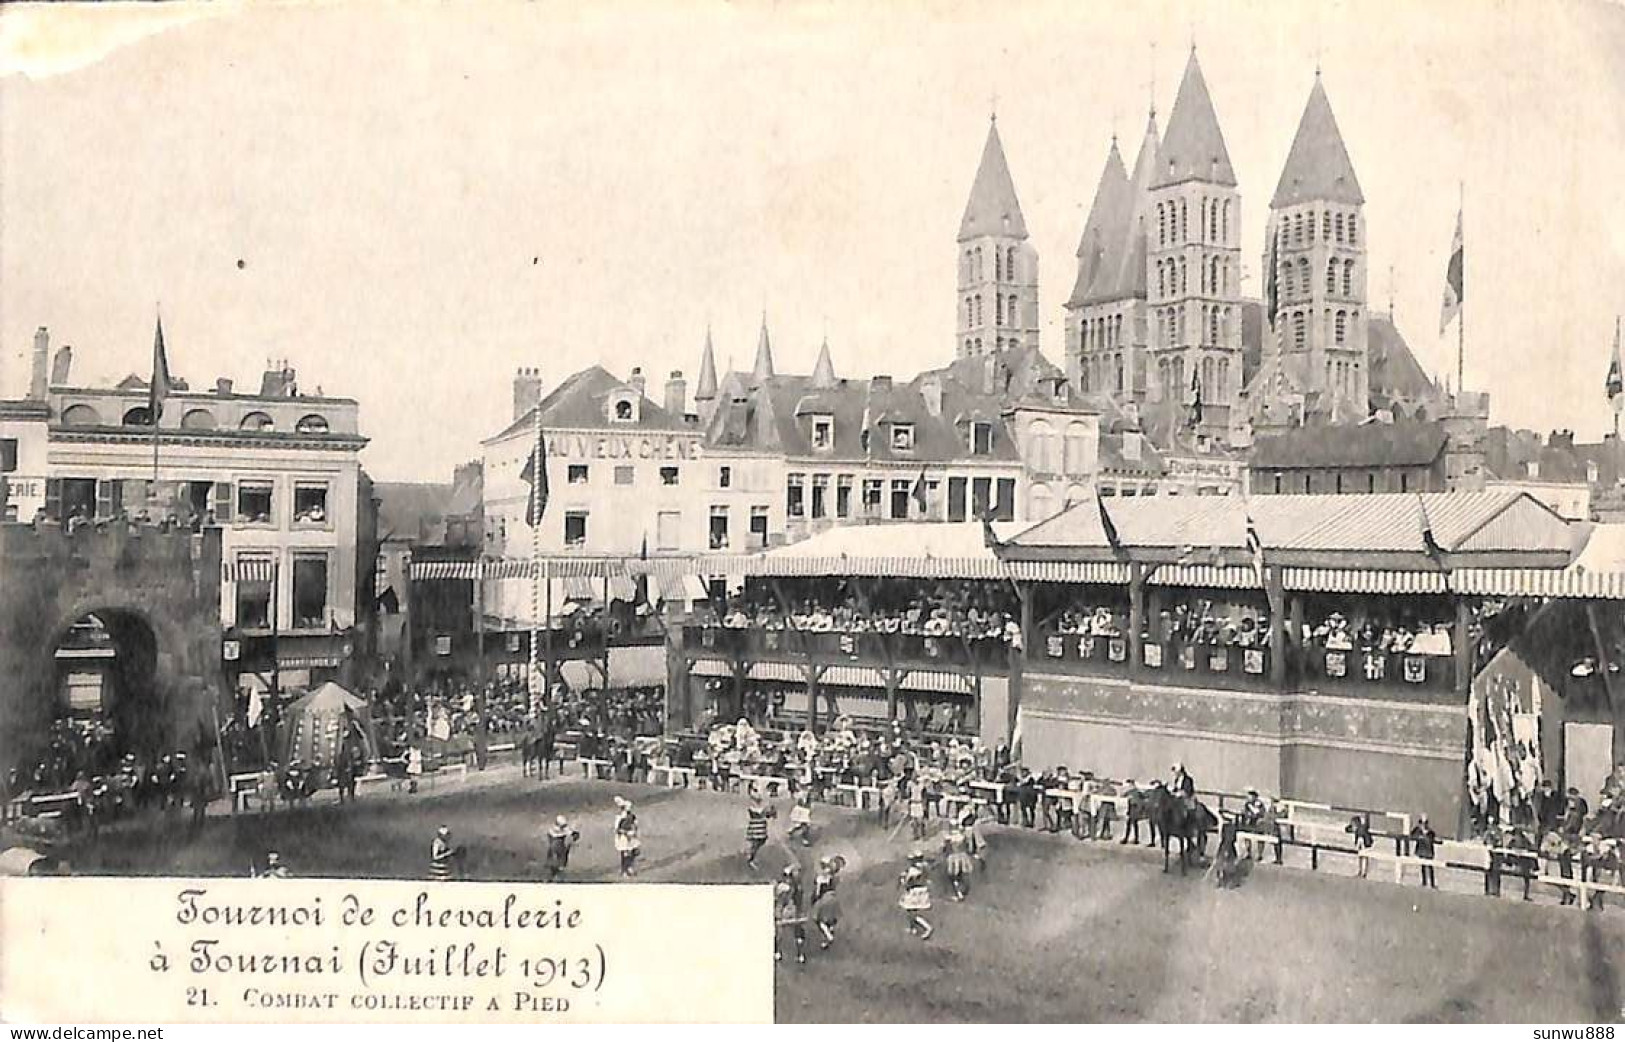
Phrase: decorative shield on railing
{"type": "Point", "coordinates": [933, 647]}
{"type": "Point", "coordinates": [849, 645]}
{"type": "Point", "coordinates": [1376, 665]}
{"type": "Point", "coordinates": [1218, 660]}
{"type": "Point", "coordinates": [1252, 660]}
{"type": "Point", "coordinates": [1054, 647]}
{"type": "Point", "coordinates": [1337, 664]}
{"type": "Point", "coordinates": [708, 637]}
{"type": "Point", "coordinates": [1187, 657]}
{"type": "Point", "coordinates": [1117, 650]}
{"type": "Point", "coordinates": [1086, 647]}
{"type": "Point", "coordinates": [1416, 669]}
{"type": "Point", "coordinates": [1153, 655]}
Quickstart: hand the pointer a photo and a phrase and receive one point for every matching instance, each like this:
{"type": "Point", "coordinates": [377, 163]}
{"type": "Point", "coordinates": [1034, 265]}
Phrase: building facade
{"type": "Point", "coordinates": [277, 470]}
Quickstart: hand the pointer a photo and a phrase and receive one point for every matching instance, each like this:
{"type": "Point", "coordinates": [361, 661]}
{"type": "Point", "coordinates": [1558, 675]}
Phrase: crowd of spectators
{"type": "Point", "coordinates": [975, 611]}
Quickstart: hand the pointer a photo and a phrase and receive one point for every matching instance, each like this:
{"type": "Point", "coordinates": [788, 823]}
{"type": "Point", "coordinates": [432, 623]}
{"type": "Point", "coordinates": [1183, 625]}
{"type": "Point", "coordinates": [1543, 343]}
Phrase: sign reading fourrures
{"type": "Point", "coordinates": [328, 951]}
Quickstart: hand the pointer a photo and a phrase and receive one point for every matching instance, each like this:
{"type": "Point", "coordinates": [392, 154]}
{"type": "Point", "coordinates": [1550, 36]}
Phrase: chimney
{"type": "Point", "coordinates": [931, 391]}
{"type": "Point", "coordinates": [527, 390]}
{"type": "Point", "coordinates": [61, 366]}
{"type": "Point", "coordinates": [222, 386]}
{"type": "Point", "coordinates": [637, 381]}
{"type": "Point", "coordinates": [42, 351]}
{"type": "Point", "coordinates": [676, 394]}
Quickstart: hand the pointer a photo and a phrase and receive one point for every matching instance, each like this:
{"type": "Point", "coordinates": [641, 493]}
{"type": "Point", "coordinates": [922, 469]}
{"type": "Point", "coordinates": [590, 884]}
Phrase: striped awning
{"type": "Point", "coordinates": [1106, 573]}
{"type": "Point", "coordinates": [905, 567]}
{"type": "Point", "coordinates": [250, 570]}
{"type": "Point", "coordinates": [1540, 582]}
{"type": "Point", "coordinates": [1210, 576]}
{"type": "Point", "coordinates": [1361, 580]}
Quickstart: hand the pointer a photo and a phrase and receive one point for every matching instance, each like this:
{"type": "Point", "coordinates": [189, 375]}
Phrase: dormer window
{"type": "Point", "coordinates": [902, 437]}
{"type": "Point", "coordinates": [981, 438]}
{"type": "Point", "coordinates": [823, 433]}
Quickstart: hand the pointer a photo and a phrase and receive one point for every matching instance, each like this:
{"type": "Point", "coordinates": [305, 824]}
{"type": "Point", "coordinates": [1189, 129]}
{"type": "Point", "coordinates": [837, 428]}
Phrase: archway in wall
{"type": "Point", "coordinates": [107, 699]}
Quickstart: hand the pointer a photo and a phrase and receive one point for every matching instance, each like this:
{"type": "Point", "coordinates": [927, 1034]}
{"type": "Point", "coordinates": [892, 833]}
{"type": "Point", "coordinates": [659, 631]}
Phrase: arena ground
{"type": "Point", "coordinates": [1055, 930]}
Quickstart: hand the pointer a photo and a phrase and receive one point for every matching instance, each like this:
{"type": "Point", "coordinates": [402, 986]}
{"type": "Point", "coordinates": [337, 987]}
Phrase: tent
{"type": "Point", "coordinates": [315, 725]}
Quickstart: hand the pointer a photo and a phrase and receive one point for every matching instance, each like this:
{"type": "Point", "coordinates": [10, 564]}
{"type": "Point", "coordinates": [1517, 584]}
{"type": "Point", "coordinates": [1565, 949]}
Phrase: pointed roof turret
{"type": "Point", "coordinates": [1106, 216]}
{"type": "Point", "coordinates": [1122, 271]}
{"type": "Point", "coordinates": [1194, 149]}
{"type": "Point", "coordinates": [706, 389]}
{"type": "Point", "coordinates": [762, 371]}
{"type": "Point", "coordinates": [992, 208]}
{"type": "Point", "coordinates": [1318, 166]}
{"type": "Point", "coordinates": [823, 374]}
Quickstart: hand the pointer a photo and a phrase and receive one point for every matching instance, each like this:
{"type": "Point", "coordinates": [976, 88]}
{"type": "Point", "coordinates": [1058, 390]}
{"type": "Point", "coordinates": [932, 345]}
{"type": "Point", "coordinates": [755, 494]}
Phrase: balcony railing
{"type": "Point", "coordinates": [859, 648]}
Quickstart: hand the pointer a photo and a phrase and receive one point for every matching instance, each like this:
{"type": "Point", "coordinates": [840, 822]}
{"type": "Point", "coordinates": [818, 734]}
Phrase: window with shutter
{"type": "Point", "coordinates": [222, 501]}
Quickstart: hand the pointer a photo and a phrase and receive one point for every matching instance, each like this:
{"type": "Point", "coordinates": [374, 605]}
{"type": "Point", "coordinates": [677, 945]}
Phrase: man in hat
{"type": "Point", "coordinates": [956, 845]}
{"type": "Point", "coordinates": [627, 843]}
{"type": "Point", "coordinates": [1574, 813]}
{"type": "Point", "coordinates": [801, 818]}
{"type": "Point", "coordinates": [757, 816]}
{"type": "Point", "coordinates": [1423, 842]}
{"type": "Point", "coordinates": [826, 907]}
{"type": "Point", "coordinates": [441, 856]}
{"type": "Point", "coordinates": [560, 838]}
{"type": "Point", "coordinates": [274, 868]}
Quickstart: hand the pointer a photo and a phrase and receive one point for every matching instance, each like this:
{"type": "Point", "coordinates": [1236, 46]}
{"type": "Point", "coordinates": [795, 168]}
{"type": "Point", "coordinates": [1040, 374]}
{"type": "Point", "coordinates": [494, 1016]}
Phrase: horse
{"type": "Point", "coordinates": [1140, 808]}
{"type": "Point", "coordinates": [1177, 820]}
{"type": "Point", "coordinates": [536, 748]}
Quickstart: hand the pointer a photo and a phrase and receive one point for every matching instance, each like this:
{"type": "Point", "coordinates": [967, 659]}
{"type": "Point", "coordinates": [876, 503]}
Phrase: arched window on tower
{"type": "Point", "coordinates": [1298, 330]}
{"type": "Point", "coordinates": [1305, 287]}
{"type": "Point", "coordinates": [1341, 332]}
{"type": "Point", "coordinates": [1010, 264]}
{"type": "Point", "coordinates": [1117, 361]}
{"type": "Point", "coordinates": [1184, 228]}
{"type": "Point", "coordinates": [1213, 325]}
{"type": "Point", "coordinates": [1326, 225]}
{"type": "Point", "coordinates": [1297, 229]}
{"type": "Point", "coordinates": [1224, 223]}
{"type": "Point", "coordinates": [998, 265]}
{"type": "Point", "coordinates": [1331, 276]}
{"type": "Point", "coordinates": [998, 310]}
{"type": "Point", "coordinates": [1337, 225]}
{"type": "Point", "coordinates": [1213, 221]}
{"type": "Point", "coordinates": [978, 312]}
{"type": "Point", "coordinates": [1011, 313]}
{"type": "Point", "coordinates": [1354, 222]}
{"type": "Point", "coordinates": [1162, 224]}
{"type": "Point", "coordinates": [977, 266]}
{"type": "Point", "coordinates": [1179, 325]}
{"type": "Point", "coordinates": [1184, 283]}
{"type": "Point", "coordinates": [1348, 278]}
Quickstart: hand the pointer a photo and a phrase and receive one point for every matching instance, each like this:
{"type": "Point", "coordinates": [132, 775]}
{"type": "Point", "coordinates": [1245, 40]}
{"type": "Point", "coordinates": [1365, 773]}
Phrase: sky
{"type": "Point", "coordinates": [407, 201]}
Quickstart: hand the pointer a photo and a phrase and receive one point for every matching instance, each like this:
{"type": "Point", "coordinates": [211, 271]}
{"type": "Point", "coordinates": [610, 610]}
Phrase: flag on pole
{"type": "Point", "coordinates": [1106, 523]}
{"type": "Point", "coordinates": [1453, 295]}
{"type": "Point", "coordinates": [1255, 547]}
{"type": "Point", "coordinates": [1272, 287]}
{"type": "Point", "coordinates": [535, 475]}
{"type": "Point", "coordinates": [1015, 738]}
{"type": "Point", "coordinates": [919, 491]}
{"type": "Point", "coordinates": [158, 391]}
{"type": "Point", "coordinates": [256, 707]}
{"type": "Point", "coordinates": [1615, 385]}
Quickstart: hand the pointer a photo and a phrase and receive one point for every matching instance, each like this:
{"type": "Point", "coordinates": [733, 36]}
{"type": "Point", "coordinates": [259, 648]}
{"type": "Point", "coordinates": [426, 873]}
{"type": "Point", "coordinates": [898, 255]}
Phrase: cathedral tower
{"type": "Point", "coordinates": [998, 268]}
{"type": "Point", "coordinates": [1193, 271]}
{"type": "Point", "coordinates": [1315, 242]}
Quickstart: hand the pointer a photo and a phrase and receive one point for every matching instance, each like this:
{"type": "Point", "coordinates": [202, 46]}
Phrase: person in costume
{"type": "Point", "coordinates": [560, 838]}
{"type": "Point", "coordinates": [956, 845]}
{"type": "Point", "coordinates": [915, 897]}
{"type": "Point", "coordinates": [787, 915]}
{"type": "Point", "coordinates": [757, 816]}
{"type": "Point", "coordinates": [801, 819]}
{"type": "Point", "coordinates": [442, 856]}
{"type": "Point", "coordinates": [826, 906]}
{"type": "Point", "coordinates": [627, 844]}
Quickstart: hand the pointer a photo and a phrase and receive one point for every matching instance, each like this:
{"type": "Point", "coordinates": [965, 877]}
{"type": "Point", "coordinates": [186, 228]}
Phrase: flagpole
{"type": "Point", "coordinates": [538, 692]}
{"type": "Point", "coordinates": [1461, 316]}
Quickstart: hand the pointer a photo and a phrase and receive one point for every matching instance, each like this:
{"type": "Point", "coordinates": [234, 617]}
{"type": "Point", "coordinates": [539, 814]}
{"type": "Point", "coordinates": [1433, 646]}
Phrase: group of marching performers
{"type": "Point", "coordinates": [962, 852]}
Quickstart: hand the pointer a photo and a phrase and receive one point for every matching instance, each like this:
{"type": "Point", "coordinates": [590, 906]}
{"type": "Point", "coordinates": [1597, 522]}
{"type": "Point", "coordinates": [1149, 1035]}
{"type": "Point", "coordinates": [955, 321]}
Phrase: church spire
{"type": "Point", "coordinates": [992, 208]}
{"type": "Point", "coordinates": [1194, 149]}
{"type": "Point", "coordinates": [1317, 168]}
{"type": "Point", "coordinates": [763, 370]}
{"type": "Point", "coordinates": [823, 374]}
{"type": "Point", "coordinates": [706, 389]}
{"type": "Point", "coordinates": [1104, 225]}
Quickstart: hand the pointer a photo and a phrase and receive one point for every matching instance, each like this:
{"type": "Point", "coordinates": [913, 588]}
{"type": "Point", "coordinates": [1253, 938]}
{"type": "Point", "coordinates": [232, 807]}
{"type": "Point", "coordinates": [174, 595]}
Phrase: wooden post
{"type": "Point", "coordinates": [1465, 652]}
{"type": "Point", "coordinates": [1277, 634]}
{"type": "Point", "coordinates": [1136, 617]}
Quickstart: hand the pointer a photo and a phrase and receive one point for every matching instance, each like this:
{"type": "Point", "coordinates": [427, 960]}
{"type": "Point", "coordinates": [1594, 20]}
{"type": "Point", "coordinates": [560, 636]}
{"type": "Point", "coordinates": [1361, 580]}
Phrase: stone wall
{"type": "Point", "coordinates": [168, 580]}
